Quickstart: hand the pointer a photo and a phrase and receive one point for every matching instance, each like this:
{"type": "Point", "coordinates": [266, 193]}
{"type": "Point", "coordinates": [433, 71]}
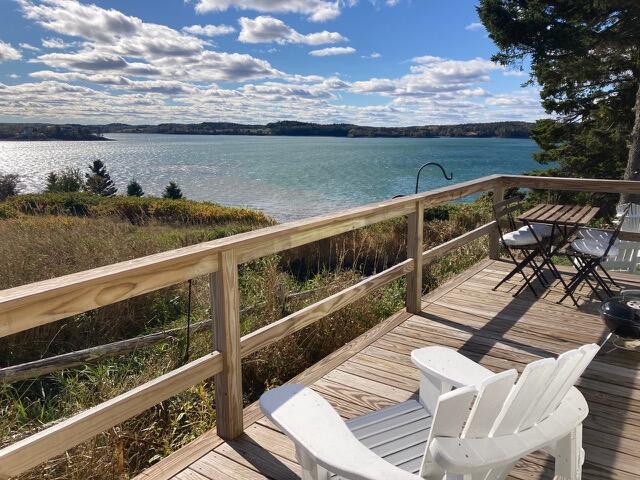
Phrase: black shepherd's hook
{"type": "Point", "coordinates": [448, 177]}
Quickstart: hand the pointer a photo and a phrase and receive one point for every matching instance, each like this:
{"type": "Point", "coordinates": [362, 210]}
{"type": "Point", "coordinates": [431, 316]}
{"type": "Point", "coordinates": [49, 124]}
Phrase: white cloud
{"type": "Point", "coordinates": [426, 59]}
{"type": "Point", "coordinates": [100, 78]}
{"type": "Point", "coordinates": [111, 37]}
{"type": "Point", "coordinates": [7, 52]}
{"type": "Point", "coordinates": [267, 29]}
{"type": "Point", "coordinates": [56, 43]}
{"type": "Point", "coordinates": [316, 10]}
{"type": "Point", "coordinates": [373, 55]}
{"type": "Point", "coordinates": [28, 46]}
{"type": "Point", "coordinates": [474, 27]}
{"type": "Point", "coordinates": [13, 75]}
{"type": "Point", "coordinates": [331, 51]}
{"type": "Point", "coordinates": [209, 30]}
{"type": "Point", "coordinates": [72, 18]}
{"type": "Point", "coordinates": [514, 73]}
{"type": "Point", "coordinates": [93, 60]}
{"type": "Point", "coordinates": [431, 76]}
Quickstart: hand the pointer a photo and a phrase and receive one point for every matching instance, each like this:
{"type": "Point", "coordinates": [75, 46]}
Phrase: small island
{"type": "Point", "coordinates": [43, 131]}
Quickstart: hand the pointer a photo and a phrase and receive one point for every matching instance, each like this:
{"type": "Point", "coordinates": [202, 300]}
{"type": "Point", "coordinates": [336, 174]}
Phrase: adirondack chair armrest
{"type": "Point", "coordinates": [443, 369]}
{"type": "Point", "coordinates": [465, 456]}
{"type": "Point", "coordinates": [322, 438]}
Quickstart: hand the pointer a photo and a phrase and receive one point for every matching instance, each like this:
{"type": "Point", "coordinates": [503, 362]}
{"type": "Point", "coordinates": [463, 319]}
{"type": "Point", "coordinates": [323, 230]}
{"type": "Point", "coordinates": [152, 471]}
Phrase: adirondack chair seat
{"type": "Point", "coordinates": [397, 434]}
{"type": "Point", "coordinates": [482, 427]}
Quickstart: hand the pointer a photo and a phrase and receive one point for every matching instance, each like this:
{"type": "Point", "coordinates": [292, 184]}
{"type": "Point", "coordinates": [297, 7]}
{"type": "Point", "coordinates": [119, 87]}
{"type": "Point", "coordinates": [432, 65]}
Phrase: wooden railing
{"type": "Point", "coordinates": [29, 306]}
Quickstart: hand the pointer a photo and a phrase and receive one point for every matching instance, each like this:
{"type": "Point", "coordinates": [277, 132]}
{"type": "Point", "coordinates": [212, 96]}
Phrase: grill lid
{"type": "Point", "coordinates": [622, 316]}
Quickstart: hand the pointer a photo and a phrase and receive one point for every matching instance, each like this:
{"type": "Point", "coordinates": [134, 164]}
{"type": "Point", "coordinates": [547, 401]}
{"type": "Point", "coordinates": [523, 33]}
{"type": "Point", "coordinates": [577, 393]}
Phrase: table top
{"type": "Point", "coordinates": [559, 214]}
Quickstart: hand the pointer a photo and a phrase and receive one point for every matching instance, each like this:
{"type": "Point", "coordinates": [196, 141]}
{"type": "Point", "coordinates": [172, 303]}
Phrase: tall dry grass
{"type": "Point", "coordinates": [80, 243]}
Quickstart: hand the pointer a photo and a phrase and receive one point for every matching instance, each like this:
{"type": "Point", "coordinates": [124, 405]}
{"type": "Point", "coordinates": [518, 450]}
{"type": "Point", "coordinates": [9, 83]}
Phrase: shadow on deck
{"type": "Point", "coordinates": [493, 328]}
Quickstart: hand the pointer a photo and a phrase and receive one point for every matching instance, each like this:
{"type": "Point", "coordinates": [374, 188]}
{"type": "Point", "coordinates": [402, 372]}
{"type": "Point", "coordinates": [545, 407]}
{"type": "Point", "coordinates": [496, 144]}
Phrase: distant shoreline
{"type": "Point", "coordinates": [287, 128]}
{"type": "Point", "coordinates": [52, 139]}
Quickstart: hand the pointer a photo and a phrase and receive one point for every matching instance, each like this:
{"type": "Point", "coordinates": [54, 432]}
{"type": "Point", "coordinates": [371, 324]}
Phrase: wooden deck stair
{"type": "Point", "coordinates": [493, 328]}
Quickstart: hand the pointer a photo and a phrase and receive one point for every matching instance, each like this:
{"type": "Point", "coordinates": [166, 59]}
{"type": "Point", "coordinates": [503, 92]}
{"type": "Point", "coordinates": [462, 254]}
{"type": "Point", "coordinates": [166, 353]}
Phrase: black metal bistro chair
{"type": "Point", "coordinates": [522, 244]}
{"type": "Point", "coordinates": [587, 252]}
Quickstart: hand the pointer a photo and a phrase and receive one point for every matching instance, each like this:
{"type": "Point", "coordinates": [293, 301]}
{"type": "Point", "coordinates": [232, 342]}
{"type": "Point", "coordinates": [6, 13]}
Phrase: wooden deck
{"type": "Point", "coordinates": [493, 328]}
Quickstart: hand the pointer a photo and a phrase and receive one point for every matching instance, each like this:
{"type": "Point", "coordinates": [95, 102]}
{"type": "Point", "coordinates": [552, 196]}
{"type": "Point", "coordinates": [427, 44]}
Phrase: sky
{"type": "Point", "coordinates": [369, 62]}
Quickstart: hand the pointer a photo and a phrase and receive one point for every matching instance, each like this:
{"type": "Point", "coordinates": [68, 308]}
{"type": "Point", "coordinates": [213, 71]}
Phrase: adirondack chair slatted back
{"type": "Point", "coordinates": [500, 406]}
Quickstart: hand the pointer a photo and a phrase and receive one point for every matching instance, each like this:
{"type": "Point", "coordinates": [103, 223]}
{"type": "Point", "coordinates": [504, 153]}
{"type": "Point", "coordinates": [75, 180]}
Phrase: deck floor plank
{"type": "Point", "coordinates": [490, 327]}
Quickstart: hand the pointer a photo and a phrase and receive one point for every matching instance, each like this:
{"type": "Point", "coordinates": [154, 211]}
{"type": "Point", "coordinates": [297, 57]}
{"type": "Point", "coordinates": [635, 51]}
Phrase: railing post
{"type": "Point", "coordinates": [225, 306]}
{"type": "Point", "coordinates": [494, 237]}
{"type": "Point", "coordinates": [415, 228]}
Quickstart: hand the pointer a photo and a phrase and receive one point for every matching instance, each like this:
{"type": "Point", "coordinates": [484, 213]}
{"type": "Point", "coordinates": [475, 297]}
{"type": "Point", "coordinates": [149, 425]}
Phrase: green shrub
{"type": "Point", "coordinates": [135, 210]}
{"type": "Point", "coordinates": [7, 211]}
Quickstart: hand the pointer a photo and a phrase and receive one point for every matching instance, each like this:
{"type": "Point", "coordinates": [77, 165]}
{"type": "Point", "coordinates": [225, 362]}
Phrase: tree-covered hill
{"type": "Point", "coordinates": [288, 128]}
{"type": "Point", "coordinates": [496, 129]}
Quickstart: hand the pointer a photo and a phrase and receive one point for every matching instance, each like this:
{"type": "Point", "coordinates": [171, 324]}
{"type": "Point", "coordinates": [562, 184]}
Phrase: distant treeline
{"type": "Point", "coordinates": [495, 129]}
{"type": "Point", "coordinates": [44, 131]}
{"type": "Point", "coordinates": [91, 132]}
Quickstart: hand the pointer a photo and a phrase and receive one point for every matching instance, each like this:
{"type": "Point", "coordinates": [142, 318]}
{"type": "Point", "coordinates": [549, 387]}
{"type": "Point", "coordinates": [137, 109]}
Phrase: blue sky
{"type": "Point", "coordinates": [374, 62]}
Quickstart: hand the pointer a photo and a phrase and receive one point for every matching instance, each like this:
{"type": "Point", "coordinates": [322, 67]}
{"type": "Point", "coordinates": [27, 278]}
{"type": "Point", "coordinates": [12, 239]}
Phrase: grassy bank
{"type": "Point", "coordinates": [51, 235]}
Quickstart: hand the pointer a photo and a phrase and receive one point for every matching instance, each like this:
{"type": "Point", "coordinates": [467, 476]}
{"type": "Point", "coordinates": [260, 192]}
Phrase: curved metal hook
{"type": "Point", "coordinates": [448, 177]}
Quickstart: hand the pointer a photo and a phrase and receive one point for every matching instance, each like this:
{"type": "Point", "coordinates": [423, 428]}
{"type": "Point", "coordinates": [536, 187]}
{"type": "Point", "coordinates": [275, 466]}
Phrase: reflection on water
{"type": "Point", "coordinates": [286, 177]}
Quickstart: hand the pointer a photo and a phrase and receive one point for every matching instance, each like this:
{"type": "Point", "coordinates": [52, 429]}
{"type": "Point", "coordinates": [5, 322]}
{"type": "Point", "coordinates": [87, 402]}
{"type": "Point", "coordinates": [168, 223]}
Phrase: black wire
{"type": "Point", "coordinates": [188, 339]}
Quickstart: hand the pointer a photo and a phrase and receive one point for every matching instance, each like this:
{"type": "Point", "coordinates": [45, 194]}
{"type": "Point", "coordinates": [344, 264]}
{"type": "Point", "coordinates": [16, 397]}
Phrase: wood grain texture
{"type": "Point", "coordinates": [415, 242]}
{"type": "Point", "coordinates": [571, 184]}
{"type": "Point", "coordinates": [31, 451]}
{"type": "Point", "coordinates": [574, 215]}
{"type": "Point", "coordinates": [225, 299]}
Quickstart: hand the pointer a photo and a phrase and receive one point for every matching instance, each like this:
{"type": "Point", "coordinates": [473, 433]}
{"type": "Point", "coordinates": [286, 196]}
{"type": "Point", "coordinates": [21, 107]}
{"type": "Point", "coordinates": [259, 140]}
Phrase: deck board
{"type": "Point", "coordinates": [494, 329]}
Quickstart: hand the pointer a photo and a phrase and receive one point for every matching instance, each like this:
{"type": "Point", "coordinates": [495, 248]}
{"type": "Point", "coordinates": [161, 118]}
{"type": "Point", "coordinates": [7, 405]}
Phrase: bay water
{"type": "Point", "coordinates": [286, 177]}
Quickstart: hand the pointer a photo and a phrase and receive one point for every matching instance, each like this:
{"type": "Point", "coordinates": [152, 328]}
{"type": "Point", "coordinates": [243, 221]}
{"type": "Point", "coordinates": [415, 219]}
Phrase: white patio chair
{"type": "Point", "coordinates": [627, 257]}
{"type": "Point", "coordinates": [468, 423]}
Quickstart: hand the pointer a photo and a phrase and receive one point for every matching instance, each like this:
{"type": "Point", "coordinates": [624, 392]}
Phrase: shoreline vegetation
{"type": "Point", "coordinates": [43, 131]}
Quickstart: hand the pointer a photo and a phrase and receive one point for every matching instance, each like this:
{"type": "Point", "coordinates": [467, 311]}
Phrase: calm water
{"type": "Point", "coordinates": [286, 177]}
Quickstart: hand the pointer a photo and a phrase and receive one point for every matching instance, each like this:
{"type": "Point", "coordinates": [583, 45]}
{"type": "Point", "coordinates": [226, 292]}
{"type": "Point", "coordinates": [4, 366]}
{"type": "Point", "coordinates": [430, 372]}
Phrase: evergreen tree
{"type": "Point", "coordinates": [98, 180]}
{"type": "Point", "coordinates": [134, 189]}
{"type": "Point", "coordinates": [67, 180]}
{"type": "Point", "coordinates": [172, 191]}
{"type": "Point", "coordinates": [51, 182]}
{"type": "Point", "coordinates": [586, 57]}
{"type": "Point", "coordinates": [9, 185]}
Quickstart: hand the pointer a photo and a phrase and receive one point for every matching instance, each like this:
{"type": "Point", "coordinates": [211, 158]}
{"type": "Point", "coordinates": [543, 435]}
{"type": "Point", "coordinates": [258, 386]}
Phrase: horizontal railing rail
{"type": "Point", "coordinates": [37, 304]}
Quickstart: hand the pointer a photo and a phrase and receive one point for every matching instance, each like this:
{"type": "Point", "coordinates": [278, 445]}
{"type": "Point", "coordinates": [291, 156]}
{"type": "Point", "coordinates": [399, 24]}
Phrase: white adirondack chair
{"type": "Point", "coordinates": [468, 423]}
